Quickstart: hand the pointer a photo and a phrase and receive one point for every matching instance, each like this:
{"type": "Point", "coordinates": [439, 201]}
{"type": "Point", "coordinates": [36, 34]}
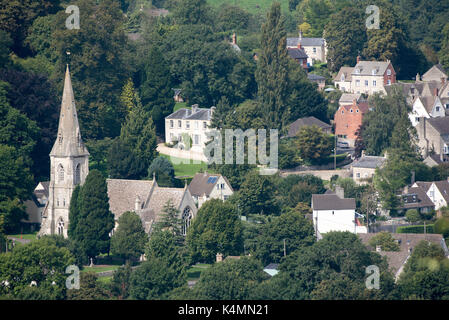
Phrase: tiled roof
{"type": "Point", "coordinates": [369, 162]}
{"type": "Point", "coordinates": [296, 53]}
{"type": "Point", "coordinates": [331, 202]}
{"type": "Point", "coordinates": [123, 193]}
{"type": "Point", "coordinates": [366, 68]}
{"type": "Point", "coordinates": [305, 42]}
{"type": "Point", "coordinates": [204, 183]}
{"type": "Point", "coordinates": [443, 186]}
{"type": "Point", "coordinates": [406, 241]}
{"type": "Point", "coordinates": [436, 72]}
{"type": "Point", "coordinates": [346, 71]}
{"type": "Point", "coordinates": [315, 77]}
{"type": "Point", "coordinates": [306, 121]}
{"type": "Point", "coordinates": [441, 124]}
{"type": "Point", "coordinates": [349, 98]}
{"type": "Point", "coordinates": [415, 198]}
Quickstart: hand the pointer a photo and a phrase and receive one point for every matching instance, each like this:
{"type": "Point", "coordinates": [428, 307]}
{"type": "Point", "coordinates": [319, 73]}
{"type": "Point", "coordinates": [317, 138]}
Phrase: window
{"type": "Point", "coordinates": [187, 124]}
{"type": "Point", "coordinates": [388, 81]}
{"type": "Point", "coordinates": [437, 108]}
{"type": "Point", "coordinates": [358, 174]}
{"type": "Point", "coordinates": [196, 124]}
{"type": "Point", "coordinates": [171, 123]}
{"type": "Point", "coordinates": [60, 173]}
{"type": "Point", "coordinates": [78, 174]}
{"type": "Point", "coordinates": [366, 83]}
{"type": "Point", "coordinates": [374, 83]}
{"type": "Point", "coordinates": [445, 150]}
{"type": "Point", "coordinates": [417, 119]}
{"type": "Point", "coordinates": [60, 227]}
{"type": "Point", "coordinates": [179, 124]}
{"type": "Point", "coordinates": [314, 50]}
{"type": "Point", "coordinates": [186, 218]}
{"type": "Point", "coordinates": [60, 138]}
{"type": "Point", "coordinates": [171, 136]}
{"type": "Point", "coordinates": [197, 139]}
{"type": "Point", "coordinates": [342, 78]}
{"type": "Point", "coordinates": [357, 110]}
{"type": "Point", "coordinates": [204, 125]}
{"type": "Point", "coordinates": [388, 72]}
{"type": "Point", "coordinates": [350, 111]}
{"type": "Point", "coordinates": [357, 83]}
{"type": "Point", "coordinates": [342, 112]}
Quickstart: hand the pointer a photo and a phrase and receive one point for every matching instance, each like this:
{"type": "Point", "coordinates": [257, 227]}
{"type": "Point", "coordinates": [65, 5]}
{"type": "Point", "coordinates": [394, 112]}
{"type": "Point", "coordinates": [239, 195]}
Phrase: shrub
{"type": "Point", "coordinates": [416, 229]}
{"type": "Point", "coordinates": [412, 215]}
{"type": "Point", "coordinates": [442, 226]}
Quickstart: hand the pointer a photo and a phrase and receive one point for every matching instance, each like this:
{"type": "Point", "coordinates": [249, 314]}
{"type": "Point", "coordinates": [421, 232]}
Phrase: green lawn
{"type": "Point", "coordinates": [194, 272]}
{"type": "Point", "coordinates": [104, 279]}
{"type": "Point", "coordinates": [179, 105]}
{"type": "Point", "coordinates": [182, 168]}
{"type": "Point", "coordinates": [98, 269]}
{"type": "Point", "coordinates": [27, 236]}
{"type": "Point", "coordinates": [252, 6]}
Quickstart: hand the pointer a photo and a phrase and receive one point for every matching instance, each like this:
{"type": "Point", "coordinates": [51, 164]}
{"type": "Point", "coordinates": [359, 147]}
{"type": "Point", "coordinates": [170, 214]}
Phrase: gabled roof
{"type": "Point", "coordinates": [188, 114]}
{"type": "Point", "coordinates": [363, 106]}
{"type": "Point", "coordinates": [428, 102]}
{"type": "Point", "coordinates": [305, 42]}
{"type": "Point", "coordinates": [296, 53]}
{"type": "Point", "coordinates": [348, 98]}
{"type": "Point", "coordinates": [204, 183]}
{"type": "Point", "coordinates": [366, 68]}
{"type": "Point", "coordinates": [331, 202]}
{"type": "Point", "coordinates": [443, 187]}
{"type": "Point", "coordinates": [435, 73]}
{"type": "Point", "coordinates": [441, 124]}
{"type": "Point", "coordinates": [123, 194]}
{"type": "Point", "coordinates": [304, 122]}
{"type": "Point", "coordinates": [371, 162]}
{"type": "Point", "coordinates": [346, 71]}
{"type": "Point", "coordinates": [315, 77]}
{"type": "Point", "coordinates": [415, 197]}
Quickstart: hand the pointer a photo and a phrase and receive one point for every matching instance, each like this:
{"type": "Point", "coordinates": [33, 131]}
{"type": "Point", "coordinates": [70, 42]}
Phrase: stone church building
{"type": "Point", "coordinates": [69, 161]}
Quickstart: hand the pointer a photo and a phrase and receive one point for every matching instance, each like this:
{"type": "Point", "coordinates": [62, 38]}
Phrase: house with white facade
{"type": "Point", "coordinates": [343, 79]}
{"type": "Point", "coordinates": [437, 191]}
{"type": "Point", "coordinates": [205, 186]}
{"type": "Point", "coordinates": [365, 167]}
{"type": "Point", "coordinates": [193, 123]}
{"type": "Point", "coordinates": [315, 48]}
{"type": "Point", "coordinates": [334, 212]}
{"type": "Point", "coordinates": [427, 107]}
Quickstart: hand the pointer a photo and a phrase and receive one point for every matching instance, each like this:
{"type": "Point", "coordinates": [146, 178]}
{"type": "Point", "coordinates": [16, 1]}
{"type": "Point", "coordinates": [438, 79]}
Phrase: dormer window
{"type": "Point", "coordinates": [357, 71]}
{"type": "Point", "coordinates": [373, 72]}
{"type": "Point", "coordinates": [350, 111]}
{"type": "Point", "coordinates": [388, 72]}
{"type": "Point", "coordinates": [342, 78]}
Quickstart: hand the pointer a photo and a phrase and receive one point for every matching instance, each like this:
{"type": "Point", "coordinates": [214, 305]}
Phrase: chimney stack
{"type": "Point", "coordinates": [340, 192]}
{"type": "Point", "coordinates": [358, 58]}
{"type": "Point", "coordinates": [137, 205]}
{"type": "Point", "coordinates": [219, 257]}
{"type": "Point", "coordinates": [435, 92]}
{"type": "Point", "coordinates": [406, 190]}
{"type": "Point", "coordinates": [234, 38]}
{"type": "Point", "coordinates": [194, 108]}
{"type": "Point", "coordinates": [418, 78]}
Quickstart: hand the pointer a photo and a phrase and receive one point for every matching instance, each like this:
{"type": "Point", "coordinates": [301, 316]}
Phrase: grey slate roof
{"type": "Point", "coordinates": [201, 185]}
{"type": "Point", "coordinates": [415, 198]}
{"type": "Point", "coordinates": [348, 98]}
{"type": "Point", "coordinates": [188, 114]}
{"type": "Point", "coordinates": [371, 162]}
{"type": "Point", "coordinates": [441, 124]}
{"type": "Point", "coordinates": [346, 71]}
{"type": "Point", "coordinates": [305, 42]}
{"type": "Point", "coordinates": [366, 67]}
{"type": "Point", "coordinates": [315, 77]}
{"type": "Point", "coordinates": [436, 72]}
{"type": "Point", "coordinates": [307, 121]}
{"type": "Point", "coordinates": [296, 53]}
{"type": "Point", "coordinates": [331, 202]}
{"type": "Point", "coordinates": [406, 241]}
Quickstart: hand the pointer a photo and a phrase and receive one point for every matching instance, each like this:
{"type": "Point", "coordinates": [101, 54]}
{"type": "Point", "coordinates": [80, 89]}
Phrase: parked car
{"type": "Point", "coordinates": [343, 145]}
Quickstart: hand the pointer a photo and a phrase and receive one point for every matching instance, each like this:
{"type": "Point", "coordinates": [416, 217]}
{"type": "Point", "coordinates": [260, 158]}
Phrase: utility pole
{"type": "Point", "coordinates": [425, 231]}
{"type": "Point", "coordinates": [335, 151]}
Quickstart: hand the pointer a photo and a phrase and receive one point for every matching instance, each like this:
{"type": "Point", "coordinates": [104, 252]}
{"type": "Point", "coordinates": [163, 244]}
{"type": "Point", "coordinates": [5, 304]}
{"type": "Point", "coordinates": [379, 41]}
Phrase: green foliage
{"type": "Point", "coordinates": [442, 226]}
{"type": "Point", "coordinates": [444, 55]}
{"type": "Point", "coordinates": [156, 88]}
{"type": "Point", "coordinates": [385, 240]}
{"type": "Point", "coordinates": [5, 44]}
{"type": "Point", "coordinates": [152, 280]}
{"type": "Point", "coordinates": [298, 188]}
{"type": "Point", "coordinates": [416, 229]}
{"type": "Point", "coordinates": [89, 289]}
{"type": "Point", "coordinates": [332, 268]}
{"type": "Point", "coordinates": [257, 195]}
{"type": "Point", "coordinates": [313, 144]}
{"type": "Point", "coordinates": [345, 35]}
{"type": "Point", "coordinates": [121, 281]}
{"type": "Point", "coordinates": [32, 262]}
{"type": "Point", "coordinates": [412, 215]}
{"type": "Point", "coordinates": [162, 168]}
{"type": "Point", "coordinates": [99, 150]}
{"type": "Point", "coordinates": [426, 274]}
{"type": "Point", "coordinates": [217, 228]}
{"type": "Point", "coordinates": [191, 12]}
{"type": "Point", "coordinates": [232, 279]}
{"type": "Point", "coordinates": [129, 240]}
{"type": "Point", "coordinates": [94, 223]}
{"type": "Point", "coordinates": [291, 227]}
{"type": "Point", "coordinates": [170, 220]}
{"type": "Point", "coordinates": [272, 71]}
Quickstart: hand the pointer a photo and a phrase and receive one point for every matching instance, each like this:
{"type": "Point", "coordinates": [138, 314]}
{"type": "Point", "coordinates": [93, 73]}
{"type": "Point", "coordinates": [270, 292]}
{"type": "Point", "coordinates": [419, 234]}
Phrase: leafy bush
{"type": "Point", "coordinates": [412, 215]}
{"type": "Point", "coordinates": [442, 226]}
{"type": "Point", "coordinates": [385, 240]}
{"type": "Point", "coordinates": [416, 229]}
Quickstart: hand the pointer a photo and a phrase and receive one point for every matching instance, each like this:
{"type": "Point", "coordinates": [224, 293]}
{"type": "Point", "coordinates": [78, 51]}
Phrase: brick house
{"type": "Point", "coordinates": [348, 119]}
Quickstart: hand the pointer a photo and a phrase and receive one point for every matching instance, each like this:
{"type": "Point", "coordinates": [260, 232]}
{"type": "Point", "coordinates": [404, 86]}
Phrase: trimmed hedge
{"type": "Point", "coordinates": [416, 229]}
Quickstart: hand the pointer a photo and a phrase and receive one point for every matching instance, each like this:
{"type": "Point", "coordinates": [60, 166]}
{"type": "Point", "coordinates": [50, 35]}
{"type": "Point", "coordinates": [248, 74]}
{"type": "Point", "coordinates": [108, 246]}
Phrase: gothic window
{"type": "Point", "coordinates": [78, 173]}
{"type": "Point", "coordinates": [60, 173]}
{"type": "Point", "coordinates": [186, 218]}
{"type": "Point", "coordinates": [60, 138]}
{"type": "Point", "coordinates": [60, 227]}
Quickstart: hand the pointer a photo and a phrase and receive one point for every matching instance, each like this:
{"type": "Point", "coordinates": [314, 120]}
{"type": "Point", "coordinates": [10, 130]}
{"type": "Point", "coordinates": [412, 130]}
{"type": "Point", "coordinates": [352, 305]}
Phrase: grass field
{"type": "Point", "coordinates": [98, 269]}
{"type": "Point", "coordinates": [185, 169]}
{"type": "Point", "coordinates": [179, 105]}
{"type": "Point", "coordinates": [194, 272]}
{"type": "Point", "coordinates": [252, 6]}
{"type": "Point", "coordinates": [27, 236]}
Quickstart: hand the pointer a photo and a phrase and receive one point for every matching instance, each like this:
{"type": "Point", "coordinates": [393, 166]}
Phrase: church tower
{"type": "Point", "coordinates": [69, 165]}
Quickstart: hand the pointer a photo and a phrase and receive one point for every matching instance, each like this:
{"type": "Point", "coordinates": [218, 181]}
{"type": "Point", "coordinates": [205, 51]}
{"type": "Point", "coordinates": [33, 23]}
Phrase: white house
{"type": "Point", "coordinates": [332, 212]}
{"type": "Point", "coordinates": [193, 122]}
{"type": "Point", "coordinates": [437, 191]}
{"type": "Point", "coordinates": [206, 186]}
{"type": "Point", "coordinates": [426, 106]}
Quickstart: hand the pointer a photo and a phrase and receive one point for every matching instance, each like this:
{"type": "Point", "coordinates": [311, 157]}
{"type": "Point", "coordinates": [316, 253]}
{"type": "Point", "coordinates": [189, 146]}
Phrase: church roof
{"type": "Point", "coordinates": [123, 193]}
{"type": "Point", "coordinates": [68, 142]}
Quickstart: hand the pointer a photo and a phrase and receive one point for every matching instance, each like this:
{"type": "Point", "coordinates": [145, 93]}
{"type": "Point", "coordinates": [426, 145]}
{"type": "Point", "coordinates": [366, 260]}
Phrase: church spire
{"type": "Point", "coordinates": [68, 142]}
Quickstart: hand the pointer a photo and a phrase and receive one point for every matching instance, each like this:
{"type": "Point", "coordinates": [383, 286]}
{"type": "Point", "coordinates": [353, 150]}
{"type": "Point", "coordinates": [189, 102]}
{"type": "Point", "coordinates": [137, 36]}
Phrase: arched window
{"type": "Point", "coordinates": [61, 227]}
{"type": "Point", "coordinates": [186, 218]}
{"type": "Point", "coordinates": [60, 173]}
{"type": "Point", "coordinates": [78, 173]}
